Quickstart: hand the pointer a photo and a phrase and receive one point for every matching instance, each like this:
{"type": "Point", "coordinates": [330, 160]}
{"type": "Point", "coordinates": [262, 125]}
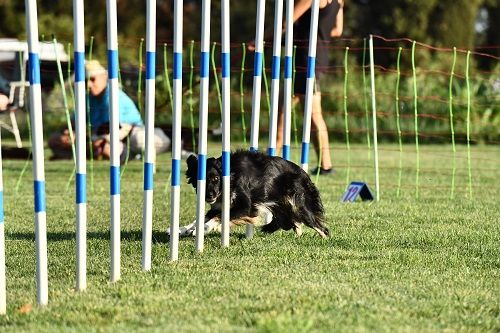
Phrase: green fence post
{"type": "Point", "coordinates": [365, 101]}
{"type": "Point", "coordinates": [415, 101]}
{"type": "Point", "coordinates": [398, 124]}
{"type": "Point", "coordinates": [242, 93]}
{"type": "Point", "coordinates": [190, 100]}
{"type": "Point", "coordinates": [346, 119]}
{"type": "Point", "coordinates": [452, 129]}
{"type": "Point", "coordinates": [216, 78]}
{"type": "Point", "coordinates": [467, 67]}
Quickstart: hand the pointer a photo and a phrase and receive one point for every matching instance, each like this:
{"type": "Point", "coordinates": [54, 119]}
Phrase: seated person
{"type": "Point", "coordinates": [4, 102]}
{"type": "Point", "coordinates": [4, 94]}
{"type": "Point", "coordinates": [131, 124]}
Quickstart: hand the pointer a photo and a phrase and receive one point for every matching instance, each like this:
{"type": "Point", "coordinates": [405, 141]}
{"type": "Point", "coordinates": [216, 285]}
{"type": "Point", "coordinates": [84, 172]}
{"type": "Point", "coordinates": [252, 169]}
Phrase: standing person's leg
{"type": "Point", "coordinates": [320, 140]}
{"type": "Point", "coordinates": [279, 134]}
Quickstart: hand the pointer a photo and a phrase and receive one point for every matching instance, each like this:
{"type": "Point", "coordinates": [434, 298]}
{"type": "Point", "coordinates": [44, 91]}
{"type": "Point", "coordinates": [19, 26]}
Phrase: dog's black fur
{"type": "Point", "coordinates": [261, 181]}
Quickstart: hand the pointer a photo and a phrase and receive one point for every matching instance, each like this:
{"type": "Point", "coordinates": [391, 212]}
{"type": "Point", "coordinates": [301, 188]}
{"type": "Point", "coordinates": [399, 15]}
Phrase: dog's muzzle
{"type": "Point", "coordinates": [211, 200]}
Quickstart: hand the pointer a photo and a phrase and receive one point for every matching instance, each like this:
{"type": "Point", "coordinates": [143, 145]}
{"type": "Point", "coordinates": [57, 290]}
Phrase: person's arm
{"type": "Point", "coordinates": [300, 7]}
{"type": "Point", "coordinates": [339, 24]}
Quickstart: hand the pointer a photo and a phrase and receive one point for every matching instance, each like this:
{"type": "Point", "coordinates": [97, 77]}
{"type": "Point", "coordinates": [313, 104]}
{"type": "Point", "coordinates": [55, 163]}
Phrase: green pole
{"type": "Point", "coordinates": [398, 124]}
{"type": "Point", "coordinates": [266, 86]}
{"type": "Point", "coordinates": [191, 101]}
{"type": "Point", "coordinates": [68, 79]}
{"type": "Point", "coordinates": [28, 160]}
{"type": "Point", "coordinates": [294, 115]}
{"type": "Point", "coordinates": [70, 86]}
{"type": "Point", "coordinates": [365, 101]}
{"type": "Point", "coordinates": [216, 77]}
{"type": "Point", "coordinates": [346, 119]}
{"type": "Point", "coordinates": [452, 129]}
{"type": "Point", "coordinates": [242, 93]}
{"type": "Point", "coordinates": [166, 82]}
{"type": "Point", "coordinates": [89, 129]}
{"type": "Point", "coordinates": [139, 80]}
{"type": "Point", "coordinates": [139, 105]}
{"type": "Point", "coordinates": [415, 101]}
{"type": "Point", "coordinates": [65, 100]}
{"type": "Point", "coordinates": [468, 122]}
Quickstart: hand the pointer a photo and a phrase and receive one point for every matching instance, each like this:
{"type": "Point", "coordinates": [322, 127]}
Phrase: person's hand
{"type": "Point", "coordinates": [4, 102]}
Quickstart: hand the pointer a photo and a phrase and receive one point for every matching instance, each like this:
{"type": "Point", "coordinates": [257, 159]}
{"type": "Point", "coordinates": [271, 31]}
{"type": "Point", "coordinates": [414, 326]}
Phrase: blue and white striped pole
{"type": "Point", "coordinates": [3, 286]}
{"type": "Point", "coordinates": [203, 119]}
{"type": "Point", "coordinates": [113, 86]}
{"type": "Point", "coordinates": [257, 74]}
{"type": "Point", "coordinates": [311, 63]}
{"type": "Point", "coordinates": [257, 85]}
{"type": "Point", "coordinates": [287, 89]}
{"type": "Point", "coordinates": [226, 114]}
{"type": "Point", "coordinates": [81, 150]}
{"type": "Point", "coordinates": [150, 152]}
{"type": "Point", "coordinates": [37, 150]}
{"type": "Point", "coordinates": [176, 132]}
{"type": "Point", "coordinates": [275, 77]}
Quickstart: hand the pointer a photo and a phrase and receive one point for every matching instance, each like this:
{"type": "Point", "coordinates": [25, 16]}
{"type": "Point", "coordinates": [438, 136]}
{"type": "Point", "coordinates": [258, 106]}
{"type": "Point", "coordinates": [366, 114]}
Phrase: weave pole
{"type": "Point", "coordinates": [175, 190]}
{"type": "Point", "coordinates": [415, 117]}
{"type": "Point", "coordinates": [257, 85]}
{"type": "Point", "coordinates": [226, 118]}
{"type": "Point", "coordinates": [275, 77]}
{"type": "Point", "coordinates": [81, 149]}
{"type": "Point", "coordinates": [202, 123]}
{"type": "Point", "coordinates": [37, 151]}
{"type": "Point", "coordinates": [113, 86]}
{"type": "Point", "coordinates": [311, 63]}
{"type": "Point", "coordinates": [3, 286]}
{"type": "Point", "coordinates": [374, 119]}
{"type": "Point", "coordinates": [287, 89]}
{"type": "Point", "coordinates": [452, 128]}
{"type": "Point", "coordinates": [150, 151]}
{"type": "Point", "coordinates": [467, 82]}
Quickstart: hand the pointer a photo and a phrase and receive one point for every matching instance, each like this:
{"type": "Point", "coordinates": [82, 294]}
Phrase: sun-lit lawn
{"type": "Point", "coordinates": [401, 264]}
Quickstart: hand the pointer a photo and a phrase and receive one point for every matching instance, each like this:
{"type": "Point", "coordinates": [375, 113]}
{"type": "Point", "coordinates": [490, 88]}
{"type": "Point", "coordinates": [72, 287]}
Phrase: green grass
{"type": "Point", "coordinates": [397, 265]}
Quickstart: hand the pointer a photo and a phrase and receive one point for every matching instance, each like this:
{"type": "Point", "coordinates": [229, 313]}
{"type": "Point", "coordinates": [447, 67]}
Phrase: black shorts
{"type": "Point", "coordinates": [301, 81]}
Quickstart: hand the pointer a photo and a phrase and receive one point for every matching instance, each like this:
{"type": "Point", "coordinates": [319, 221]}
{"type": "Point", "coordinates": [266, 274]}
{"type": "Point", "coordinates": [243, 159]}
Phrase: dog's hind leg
{"type": "Point", "coordinates": [324, 233]}
{"type": "Point", "coordinates": [297, 227]}
{"type": "Point", "coordinates": [270, 227]}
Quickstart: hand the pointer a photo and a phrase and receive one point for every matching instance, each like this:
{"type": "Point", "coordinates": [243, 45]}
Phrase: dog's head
{"type": "Point", "coordinates": [214, 177]}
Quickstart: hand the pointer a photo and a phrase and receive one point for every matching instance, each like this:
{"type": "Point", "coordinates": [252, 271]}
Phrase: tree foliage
{"type": "Point", "coordinates": [444, 22]}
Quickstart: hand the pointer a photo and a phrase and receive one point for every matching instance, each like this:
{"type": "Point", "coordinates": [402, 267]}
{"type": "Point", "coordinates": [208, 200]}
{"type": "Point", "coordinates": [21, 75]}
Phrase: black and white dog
{"type": "Point", "coordinates": [260, 183]}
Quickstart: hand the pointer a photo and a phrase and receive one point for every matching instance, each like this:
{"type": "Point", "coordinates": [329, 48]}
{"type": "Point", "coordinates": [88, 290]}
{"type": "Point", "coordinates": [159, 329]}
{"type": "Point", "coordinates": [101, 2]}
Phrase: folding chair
{"type": "Point", "coordinates": [16, 102]}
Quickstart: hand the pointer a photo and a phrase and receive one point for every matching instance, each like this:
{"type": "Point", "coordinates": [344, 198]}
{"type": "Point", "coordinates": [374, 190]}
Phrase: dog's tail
{"type": "Point", "coordinates": [315, 206]}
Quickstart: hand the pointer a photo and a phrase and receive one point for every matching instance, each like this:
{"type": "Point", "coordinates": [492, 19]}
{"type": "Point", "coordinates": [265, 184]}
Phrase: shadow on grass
{"type": "Point", "coordinates": [126, 236]}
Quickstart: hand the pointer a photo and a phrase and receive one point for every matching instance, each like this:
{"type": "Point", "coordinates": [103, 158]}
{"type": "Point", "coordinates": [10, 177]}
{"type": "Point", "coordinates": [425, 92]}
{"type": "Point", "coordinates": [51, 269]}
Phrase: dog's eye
{"type": "Point", "coordinates": [216, 178]}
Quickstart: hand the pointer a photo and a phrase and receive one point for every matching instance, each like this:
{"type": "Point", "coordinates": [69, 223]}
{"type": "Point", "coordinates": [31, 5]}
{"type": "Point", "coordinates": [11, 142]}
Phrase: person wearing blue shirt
{"type": "Point", "coordinates": [131, 124]}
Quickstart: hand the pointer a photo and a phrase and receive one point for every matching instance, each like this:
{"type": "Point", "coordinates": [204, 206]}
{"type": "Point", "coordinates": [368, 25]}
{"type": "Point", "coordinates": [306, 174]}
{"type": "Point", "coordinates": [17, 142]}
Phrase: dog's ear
{"type": "Point", "coordinates": [217, 164]}
{"type": "Point", "coordinates": [192, 170]}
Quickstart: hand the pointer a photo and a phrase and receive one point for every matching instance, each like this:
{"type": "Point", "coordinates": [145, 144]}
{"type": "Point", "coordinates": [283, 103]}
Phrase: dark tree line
{"type": "Point", "coordinates": [461, 23]}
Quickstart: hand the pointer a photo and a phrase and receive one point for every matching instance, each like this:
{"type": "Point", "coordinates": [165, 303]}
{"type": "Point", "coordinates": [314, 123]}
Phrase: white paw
{"type": "Point", "coordinates": [190, 229]}
{"type": "Point", "coordinates": [187, 230]}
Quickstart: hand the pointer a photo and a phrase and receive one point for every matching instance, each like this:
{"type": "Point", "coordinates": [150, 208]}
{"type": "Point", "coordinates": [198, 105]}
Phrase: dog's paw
{"type": "Point", "coordinates": [185, 231]}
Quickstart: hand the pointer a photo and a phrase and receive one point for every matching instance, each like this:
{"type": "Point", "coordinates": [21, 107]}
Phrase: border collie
{"type": "Point", "coordinates": [260, 183]}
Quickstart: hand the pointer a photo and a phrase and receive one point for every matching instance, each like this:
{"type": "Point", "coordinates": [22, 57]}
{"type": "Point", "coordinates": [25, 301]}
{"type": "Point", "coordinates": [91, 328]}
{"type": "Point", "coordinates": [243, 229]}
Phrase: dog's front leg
{"type": "Point", "coordinates": [241, 207]}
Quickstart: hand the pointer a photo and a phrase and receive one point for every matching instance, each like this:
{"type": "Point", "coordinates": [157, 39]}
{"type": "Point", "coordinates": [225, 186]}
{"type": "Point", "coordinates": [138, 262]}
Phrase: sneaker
{"type": "Point", "coordinates": [322, 171]}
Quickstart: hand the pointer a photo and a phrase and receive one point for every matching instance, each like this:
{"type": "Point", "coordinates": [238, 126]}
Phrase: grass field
{"type": "Point", "coordinates": [402, 264]}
